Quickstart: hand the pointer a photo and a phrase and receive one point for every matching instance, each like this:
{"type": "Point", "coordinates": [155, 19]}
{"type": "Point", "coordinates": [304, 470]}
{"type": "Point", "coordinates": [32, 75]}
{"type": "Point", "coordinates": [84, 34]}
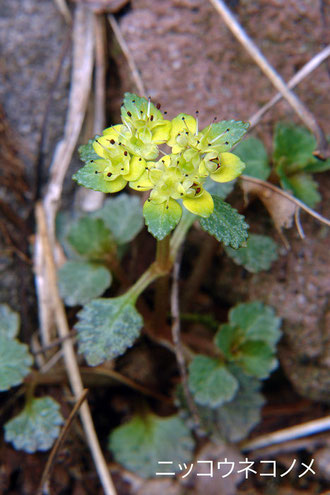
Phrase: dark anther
{"type": "Point", "coordinates": [125, 153]}
{"type": "Point", "coordinates": [112, 141]}
{"type": "Point", "coordinates": [109, 174]}
{"type": "Point", "coordinates": [140, 159]}
{"type": "Point", "coordinates": [96, 172]}
{"type": "Point", "coordinates": [226, 142]}
{"type": "Point", "coordinates": [121, 169]}
{"type": "Point", "coordinates": [198, 190]}
{"type": "Point", "coordinates": [119, 144]}
{"type": "Point", "coordinates": [198, 142]}
{"type": "Point", "coordinates": [151, 118]}
{"type": "Point", "coordinates": [129, 114]}
{"type": "Point", "coordinates": [187, 133]}
{"type": "Point", "coordinates": [138, 186]}
{"type": "Point", "coordinates": [92, 161]}
{"type": "Point", "coordinates": [133, 101]}
{"type": "Point", "coordinates": [167, 207]}
{"type": "Point", "coordinates": [209, 144]}
{"type": "Point", "coordinates": [227, 130]}
{"type": "Point", "coordinates": [165, 113]}
{"type": "Point", "coordinates": [158, 106]}
{"type": "Point", "coordinates": [141, 112]}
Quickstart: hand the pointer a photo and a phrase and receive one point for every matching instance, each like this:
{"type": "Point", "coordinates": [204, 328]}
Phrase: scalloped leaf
{"type": "Point", "coordinates": [161, 219]}
{"type": "Point", "coordinates": [223, 135]}
{"type": "Point", "coordinates": [256, 358]}
{"type": "Point", "coordinates": [294, 143]}
{"type": "Point", "coordinates": [258, 255]}
{"type": "Point", "coordinates": [253, 153]}
{"type": "Point", "coordinates": [139, 444]}
{"type": "Point", "coordinates": [91, 238]}
{"type": "Point", "coordinates": [226, 224]}
{"type": "Point", "coordinates": [304, 187]}
{"type": "Point", "coordinates": [36, 427]}
{"type": "Point", "coordinates": [9, 322]}
{"type": "Point", "coordinates": [15, 362]}
{"type": "Point", "coordinates": [89, 177]}
{"type": "Point", "coordinates": [238, 417]}
{"type": "Point", "coordinates": [211, 382]}
{"type": "Point", "coordinates": [123, 215]}
{"type": "Point", "coordinates": [87, 153]}
{"type": "Point", "coordinates": [80, 282]}
{"type": "Point", "coordinates": [257, 321]}
{"type": "Point", "coordinates": [107, 328]}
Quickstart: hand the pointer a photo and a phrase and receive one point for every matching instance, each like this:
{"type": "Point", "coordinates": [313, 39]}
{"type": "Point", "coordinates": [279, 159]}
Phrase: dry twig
{"type": "Point", "coordinates": [291, 433]}
{"type": "Point", "coordinates": [306, 116]}
{"type": "Point", "coordinates": [296, 79]}
{"type": "Point", "coordinates": [69, 353]}
{"type": "Point", "coordinates": [131, 62]}
{"type": "Point", "coordinates": [51, 459]}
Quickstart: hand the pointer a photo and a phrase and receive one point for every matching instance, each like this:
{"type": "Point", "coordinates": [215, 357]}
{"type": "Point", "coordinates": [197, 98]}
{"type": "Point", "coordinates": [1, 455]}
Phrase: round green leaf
{"type": "Point", "coordinates": [123, 216]}
{"type": "Point", "coordinates": [211, 382]}
{"type": "Point", "coordinates": [139, 444]}
{"type": "Point", "coordinates": [257, 322]}
{"type": "Point", "coordinates": [15, 362]}
{"type": "Point", "coordinates": [90, 237]}
{"type": "Point", "coordinates": [80, 282]}
{"type": "Point", "coordinates": [36, 427]}
{"type": "Point", "coordinates": [9, 322]}
{"type": "Point", "coordinates": [225, 224]}
{"type": "Point", "coordinates": [253, 153]}
{"type": "Point", "coordinates": [161, 219]}
{"type": "Point", "coordinates": [107, 328]}
{"type": "Point", "coordinates": [258, 255]}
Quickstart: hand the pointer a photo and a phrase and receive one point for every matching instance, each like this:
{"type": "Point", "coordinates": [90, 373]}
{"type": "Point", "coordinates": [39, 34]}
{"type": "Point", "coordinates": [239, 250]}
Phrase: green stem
{"type": "Point", "coordinates": [165, 256]}
{"type": "Point", "coordinates": [180, 233]}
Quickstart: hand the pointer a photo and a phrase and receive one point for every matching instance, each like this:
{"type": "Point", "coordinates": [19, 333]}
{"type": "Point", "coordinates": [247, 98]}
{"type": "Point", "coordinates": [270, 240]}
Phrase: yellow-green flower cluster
{"type": "Point", "coordinates": [130, 153]}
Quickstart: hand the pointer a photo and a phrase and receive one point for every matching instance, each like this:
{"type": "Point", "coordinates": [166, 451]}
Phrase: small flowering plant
{"type": "Point", "coordinates": [133, 153]}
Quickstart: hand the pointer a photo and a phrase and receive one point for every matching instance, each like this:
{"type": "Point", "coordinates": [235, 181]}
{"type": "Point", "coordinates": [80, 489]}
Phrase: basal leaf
{"type": "Point", "coordinates": [256, 358]}
{"type": "Point", "coordinates": [9, 322]}
{"type": "Point", "coordinates": [238, 417]}
{"type": "Point", "coordinates": [257, 321]}
{"type": "Point", "coordinates": [91, 238]}
{"type": "Point", "coordinates": [210, 381]}
{"type": "Point", "coordinates": [226, 337]}
{"type": "Point", "coordinates": [15, 362]}
{"type": "Point", "coordinates": [107, 328]}
{"type": "Point", "coordinates": [296, 144]}
{"type": "Point", "coordinates": [317, 165]}
{"type": "Point", "coordinates": [36, 427]}
{"type": "Point", "coordinates": [123, 216]}
{"type": "Point", "coordinates": [81, 281]}
{"type": "Point", "coordinates": [258, 255]}
{"type": "Point", "coordinates": [161, 219]}
{"type": "Point", "coordinates": [139, 444]}
{"type": "Point", "coordinates": [304, 187]}
{"type": "Point", "coordinates": [226, 224]}
{"type": "Point", "coordinates": [253, 153]}
{"type": "Point", "coordinates": [87, 153]}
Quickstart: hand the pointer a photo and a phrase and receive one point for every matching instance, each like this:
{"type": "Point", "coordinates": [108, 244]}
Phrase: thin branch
{"type": "Point", "coordinates": [100, 73]}
{"type": "Point", "coordinates": [291, 433]}
{"type": "Point", "coordinates": [130, 60]}
{"type": "Point", "coordinates": [64, 9]}
{"type": "Point", "coordinates": [298, 223]}
{"type": "Point", "coordinates": [296, 79]}
{"type": "Point", "coordinates": [306, 116]}
{"type": "Point", "coordinates": [82, 68]}
{"type": "Point", "coordinates": [55, 450]}
{"type": "Point", "coordinates": [277, 190]}
{"type": "Point", "coordinates": [176, 334]}
{"type": "Point", "coordinates": [69, 353]}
